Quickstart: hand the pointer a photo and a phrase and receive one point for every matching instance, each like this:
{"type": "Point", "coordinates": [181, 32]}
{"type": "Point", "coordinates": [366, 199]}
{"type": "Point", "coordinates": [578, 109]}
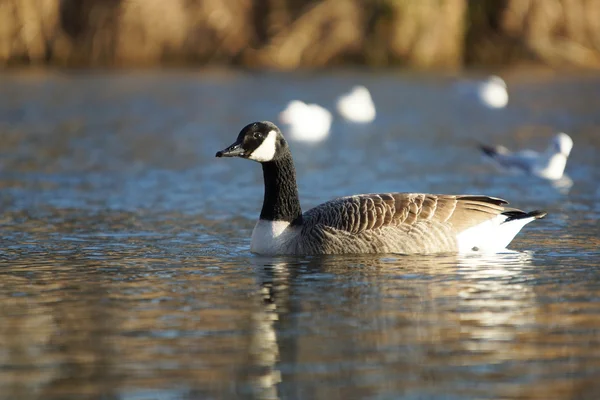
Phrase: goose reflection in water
{"type": "Point", "coordinates": [401, 306]}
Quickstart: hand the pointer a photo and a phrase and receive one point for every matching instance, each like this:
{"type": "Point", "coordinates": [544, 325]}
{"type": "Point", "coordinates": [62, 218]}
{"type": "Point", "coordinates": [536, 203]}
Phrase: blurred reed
{"type": "Point", "coordinates": [288, 34]}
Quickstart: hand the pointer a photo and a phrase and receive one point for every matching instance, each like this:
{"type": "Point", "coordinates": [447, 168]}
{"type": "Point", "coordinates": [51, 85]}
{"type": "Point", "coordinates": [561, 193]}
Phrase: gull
{"type": "Point", "coordinates": [357, 105]}
{"type": "Point", "coordinates": [549, 164]}
{"type": "Point", "coordinates": [306, 122]}
{"type": "Point", "coordinates": [491, 92]}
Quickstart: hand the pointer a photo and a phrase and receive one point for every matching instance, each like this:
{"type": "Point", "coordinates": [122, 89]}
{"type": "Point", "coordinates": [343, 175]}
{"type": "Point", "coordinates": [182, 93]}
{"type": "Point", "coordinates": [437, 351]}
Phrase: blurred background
{"type": "Point", "coordinates": [288, 34]}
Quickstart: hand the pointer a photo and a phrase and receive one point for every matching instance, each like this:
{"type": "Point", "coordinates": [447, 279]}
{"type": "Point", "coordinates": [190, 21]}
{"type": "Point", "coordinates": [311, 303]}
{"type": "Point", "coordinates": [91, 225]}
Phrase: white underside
{"type": "Point", "coordinates": [491, 236]}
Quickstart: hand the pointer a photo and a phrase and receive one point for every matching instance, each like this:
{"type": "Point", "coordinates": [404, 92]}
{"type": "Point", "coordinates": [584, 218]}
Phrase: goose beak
{"type": "Point", "coordinates": [235, 150]}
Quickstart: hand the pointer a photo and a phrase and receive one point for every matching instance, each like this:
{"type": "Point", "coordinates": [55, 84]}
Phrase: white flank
{"type": "Point", "coordinates": [271, 237]}
{"type": "Point", "coordinates": [357, 106]}
{"type": "Point", "coordinates": [266, 150]}
{"type": "Point", "coordinates": [490, 236]}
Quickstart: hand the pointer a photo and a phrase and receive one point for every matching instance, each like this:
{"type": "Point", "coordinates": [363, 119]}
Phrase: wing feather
{"type": "Point", "coordinates": [359, 213]}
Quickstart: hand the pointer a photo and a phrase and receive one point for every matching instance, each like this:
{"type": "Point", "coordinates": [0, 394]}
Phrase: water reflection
{"type": "Point", "coordinates": [264, 347]}
{"type": "Point", "coordinates": [311, 327]}
{"type": "Point", "coordinates": [470, 309]}
{"type": "Point", "coordinates": [563, 184]}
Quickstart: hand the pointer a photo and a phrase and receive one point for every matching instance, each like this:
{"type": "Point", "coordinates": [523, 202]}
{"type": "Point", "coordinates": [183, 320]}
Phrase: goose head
{"type": "Point", "coordinates": [258, 141]}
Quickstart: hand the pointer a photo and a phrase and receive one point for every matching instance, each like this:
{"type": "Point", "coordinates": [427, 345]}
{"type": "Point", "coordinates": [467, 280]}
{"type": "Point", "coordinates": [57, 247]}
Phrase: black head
{"type": "Point", "coordinates": [258, 141]}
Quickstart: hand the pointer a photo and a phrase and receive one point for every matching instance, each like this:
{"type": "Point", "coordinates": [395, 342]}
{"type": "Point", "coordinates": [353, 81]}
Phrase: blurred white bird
{"type": "Point", "coordinates": [548, 165]}
{"type": "Point", "coordinates": [306, 122]}
{"type": "Point", "coordinates": [493, 92]}
{"type": "Point", "coordinates": [490, 93]}
{"type": "Point", "coordinates": [357, 106]}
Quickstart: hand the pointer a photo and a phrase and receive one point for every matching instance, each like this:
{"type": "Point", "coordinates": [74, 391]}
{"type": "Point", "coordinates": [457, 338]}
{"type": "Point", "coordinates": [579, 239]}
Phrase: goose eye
{"type": "Point", "coordinates": [257, 135]}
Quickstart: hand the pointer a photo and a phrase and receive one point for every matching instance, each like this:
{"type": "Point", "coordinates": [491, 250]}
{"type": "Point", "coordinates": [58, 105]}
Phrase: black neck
{"type": "Point", "coordinates": [281, 202]}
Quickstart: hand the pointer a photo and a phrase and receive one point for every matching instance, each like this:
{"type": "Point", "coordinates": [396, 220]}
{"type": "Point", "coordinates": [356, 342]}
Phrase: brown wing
{"type": "Point", "coordinates": [358, 213]}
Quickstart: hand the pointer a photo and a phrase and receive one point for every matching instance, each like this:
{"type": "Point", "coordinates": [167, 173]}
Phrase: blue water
{"type": "Point", "coordinates": [125, 269]}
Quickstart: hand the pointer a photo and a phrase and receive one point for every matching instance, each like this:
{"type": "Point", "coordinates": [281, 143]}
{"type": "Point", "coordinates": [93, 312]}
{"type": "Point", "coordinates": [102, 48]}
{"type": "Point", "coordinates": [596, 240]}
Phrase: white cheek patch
{"type": "Point", "coordinates": [266, 151]}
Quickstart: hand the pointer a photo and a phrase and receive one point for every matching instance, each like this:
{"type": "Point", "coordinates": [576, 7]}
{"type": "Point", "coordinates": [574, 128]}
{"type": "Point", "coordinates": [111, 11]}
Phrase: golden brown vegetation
{"type": "Point", "coordinates": [287, 34]}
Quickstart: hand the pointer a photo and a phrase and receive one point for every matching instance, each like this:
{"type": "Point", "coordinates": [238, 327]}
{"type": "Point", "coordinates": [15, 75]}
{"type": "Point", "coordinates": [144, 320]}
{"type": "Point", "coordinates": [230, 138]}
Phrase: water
{"type": "Point", "coordinates": [124, 262]}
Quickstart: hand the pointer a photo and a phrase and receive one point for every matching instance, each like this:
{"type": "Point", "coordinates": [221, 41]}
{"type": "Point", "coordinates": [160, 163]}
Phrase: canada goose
{"type": "Point", "coordinates": [405, 223]}
{"type": "Point", "coordinates": [548, 165]}
{"type": "Point", "coordinates": [490, 93]}
{"type": "Point", "coordinates": [357, 106]}
{"type": "Point", "coordinates": [306, 122]}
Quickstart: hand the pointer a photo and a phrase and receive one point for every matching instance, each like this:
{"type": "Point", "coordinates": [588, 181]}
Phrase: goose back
{"type": "Point", "coordinates": [393, 223]}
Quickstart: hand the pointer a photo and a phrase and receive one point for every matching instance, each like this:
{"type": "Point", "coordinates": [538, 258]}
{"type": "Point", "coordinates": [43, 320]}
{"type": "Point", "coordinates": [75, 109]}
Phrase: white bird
{"type": "Point", "coordinates": [306, 122]}
{"type": "Point", "coordinates": [549, 164]}
{"type": "Point", "coordinates": [407, 223]}
{"type": "Point", "coordinates": [493, 92]}
{"type": "Point", "coordinates": [490, 93]}
{"type": "Point", "coordinates": [357, 105]}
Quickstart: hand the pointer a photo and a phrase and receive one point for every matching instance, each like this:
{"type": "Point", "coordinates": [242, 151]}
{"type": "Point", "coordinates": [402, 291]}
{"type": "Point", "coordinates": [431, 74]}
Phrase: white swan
{"type": "Point", "coordinates": [306, 122]}
{"type": "Point", "coordinates": [357, 105]}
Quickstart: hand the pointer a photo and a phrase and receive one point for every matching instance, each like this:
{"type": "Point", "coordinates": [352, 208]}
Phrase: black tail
{"type": "Point", "coordinates": [515, 214]}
